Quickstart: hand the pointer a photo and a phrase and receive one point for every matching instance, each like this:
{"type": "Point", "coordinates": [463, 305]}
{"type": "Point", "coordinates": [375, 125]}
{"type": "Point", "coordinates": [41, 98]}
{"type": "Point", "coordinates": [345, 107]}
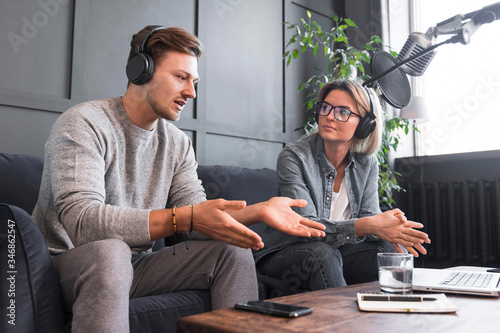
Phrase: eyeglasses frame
{"type": "Point", "coordinates": [320, 104]}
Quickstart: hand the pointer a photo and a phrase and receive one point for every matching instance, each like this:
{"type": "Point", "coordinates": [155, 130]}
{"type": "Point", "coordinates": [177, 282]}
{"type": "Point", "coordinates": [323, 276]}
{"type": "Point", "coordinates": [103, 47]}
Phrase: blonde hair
{"type": "Point", "coordinates": [359, 94]}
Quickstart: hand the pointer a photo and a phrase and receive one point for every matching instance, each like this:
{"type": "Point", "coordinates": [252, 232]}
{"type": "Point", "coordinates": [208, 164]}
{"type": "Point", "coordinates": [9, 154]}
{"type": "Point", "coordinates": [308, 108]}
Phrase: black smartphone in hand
{"type": "Point", "coordinates": [275, 309]}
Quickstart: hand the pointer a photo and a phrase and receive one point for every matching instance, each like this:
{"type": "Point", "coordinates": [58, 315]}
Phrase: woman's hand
{"type": "Point", "coordinates": [393, 227]}
{"type": "Point", "coordinates": [278, 214]}
{"type": "Point", "coordinates": [418, 246]}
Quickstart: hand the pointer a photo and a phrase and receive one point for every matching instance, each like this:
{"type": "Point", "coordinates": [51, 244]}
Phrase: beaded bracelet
{"type": "Point", "coordinates": [174, 223]}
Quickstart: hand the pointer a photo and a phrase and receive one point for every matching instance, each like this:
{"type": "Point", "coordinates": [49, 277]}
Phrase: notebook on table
{"type": "Point", "coordinates": [437, 303]}
{"type": "Point", "coordinates": [459, 280]}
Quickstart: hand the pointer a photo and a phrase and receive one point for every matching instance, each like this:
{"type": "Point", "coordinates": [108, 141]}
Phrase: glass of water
{"type": "Point", "coordinates": [395, 272]}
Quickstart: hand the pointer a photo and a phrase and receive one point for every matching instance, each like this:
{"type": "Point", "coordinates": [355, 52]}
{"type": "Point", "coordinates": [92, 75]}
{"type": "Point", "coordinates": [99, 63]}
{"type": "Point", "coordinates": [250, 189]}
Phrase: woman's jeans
{"type": "Point", "coordinates": [319, 265]}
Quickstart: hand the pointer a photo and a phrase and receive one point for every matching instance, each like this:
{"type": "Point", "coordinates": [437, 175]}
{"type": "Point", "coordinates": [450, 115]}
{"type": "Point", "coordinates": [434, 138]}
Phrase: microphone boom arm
{"type": "Point", "coordinates": [466, 25]}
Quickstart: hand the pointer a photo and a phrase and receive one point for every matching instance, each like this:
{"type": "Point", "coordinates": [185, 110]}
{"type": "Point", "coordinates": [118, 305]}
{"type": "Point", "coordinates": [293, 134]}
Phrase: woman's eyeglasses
{"type": "Point", "coordinates": [340, 113]}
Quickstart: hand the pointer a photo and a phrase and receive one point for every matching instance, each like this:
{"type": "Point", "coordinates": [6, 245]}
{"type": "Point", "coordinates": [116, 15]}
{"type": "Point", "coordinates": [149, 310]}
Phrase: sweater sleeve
{"type": "Point", "coordinates": [75, 155]}
{"type": "Point", "coordinates": [186, 188]}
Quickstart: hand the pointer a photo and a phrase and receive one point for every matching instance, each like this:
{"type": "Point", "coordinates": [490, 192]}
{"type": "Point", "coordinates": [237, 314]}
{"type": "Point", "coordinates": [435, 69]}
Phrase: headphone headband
{"type": "Point", "coordinates": [140, 43]}
{"type": "Point", "coordinates": [371, 114]}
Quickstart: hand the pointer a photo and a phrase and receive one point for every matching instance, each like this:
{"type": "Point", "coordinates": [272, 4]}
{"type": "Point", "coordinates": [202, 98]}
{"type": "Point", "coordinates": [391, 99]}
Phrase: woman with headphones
{"type": "Point", "coordinates": [336, 171]}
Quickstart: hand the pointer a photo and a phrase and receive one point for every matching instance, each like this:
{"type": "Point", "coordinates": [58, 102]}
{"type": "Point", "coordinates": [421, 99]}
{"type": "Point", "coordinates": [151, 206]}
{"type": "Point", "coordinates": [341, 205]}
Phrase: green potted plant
{"type": "Point", "coordinates": [344, 62]}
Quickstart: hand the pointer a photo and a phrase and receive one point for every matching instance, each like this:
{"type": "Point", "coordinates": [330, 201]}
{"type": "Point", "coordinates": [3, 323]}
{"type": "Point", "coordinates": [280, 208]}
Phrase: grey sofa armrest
{"type": "Point", "coordinates": [33, 300]}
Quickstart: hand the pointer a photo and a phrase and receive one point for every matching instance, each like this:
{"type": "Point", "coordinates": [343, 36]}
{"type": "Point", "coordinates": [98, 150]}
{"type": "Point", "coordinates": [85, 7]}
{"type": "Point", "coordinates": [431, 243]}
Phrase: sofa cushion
{"type": "Point", "coordinates": [238, 183]}
{"type": "Point", "coordinates": [20, 177]}
{"type": "Point", "coordinates": [27, 276]}
{"type": "Point", "coordinates": [160, 313]}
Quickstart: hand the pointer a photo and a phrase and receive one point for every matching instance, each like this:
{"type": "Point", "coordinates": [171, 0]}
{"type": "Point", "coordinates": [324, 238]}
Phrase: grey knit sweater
{"type": "Point", "coordinates": [103, 175]}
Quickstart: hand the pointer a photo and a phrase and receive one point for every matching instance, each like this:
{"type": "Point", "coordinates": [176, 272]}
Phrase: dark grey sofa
{"type": "Point", "coordinates": [38, 307]}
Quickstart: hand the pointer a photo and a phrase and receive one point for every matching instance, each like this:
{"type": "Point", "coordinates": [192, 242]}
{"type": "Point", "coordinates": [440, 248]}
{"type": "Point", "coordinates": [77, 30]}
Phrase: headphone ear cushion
{"type": "Point", "coordinates": [140, 68]}
{"type": "Point", "coordinates": [365, 127]}
{"type": "Point", "coordinates": [368, 123]}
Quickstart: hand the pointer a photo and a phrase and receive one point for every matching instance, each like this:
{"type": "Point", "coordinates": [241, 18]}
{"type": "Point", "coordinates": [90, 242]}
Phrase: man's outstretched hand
{"type": "Point", "coordinates": [227, 221]}
{"type": "Point", "coordinates": [277, 213]}
{"type": "Point", "coordinates": [213, 218]}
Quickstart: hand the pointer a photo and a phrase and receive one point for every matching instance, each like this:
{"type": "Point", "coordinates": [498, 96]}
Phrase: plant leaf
{"type": "Point", "coordinates": [341, 39]}
{"type": "Point", "coordinates": [349, 22]}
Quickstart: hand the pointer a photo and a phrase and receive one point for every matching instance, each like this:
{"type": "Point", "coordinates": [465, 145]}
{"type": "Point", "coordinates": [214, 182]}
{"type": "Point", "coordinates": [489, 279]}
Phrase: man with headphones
{"type": "Point", "coordinates": [118, 175]}
{"type": "Point", "coordinates": [336, 171]}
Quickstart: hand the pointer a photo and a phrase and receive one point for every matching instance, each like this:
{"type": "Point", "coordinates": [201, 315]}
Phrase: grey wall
{"type": "Point", "coordinates": [57, 53]}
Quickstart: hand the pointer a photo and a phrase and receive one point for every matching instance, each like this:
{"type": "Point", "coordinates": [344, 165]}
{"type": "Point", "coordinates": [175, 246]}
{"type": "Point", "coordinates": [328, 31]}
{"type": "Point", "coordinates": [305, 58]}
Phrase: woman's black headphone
{"type": "Point", "coordinates": [140, 65]}
{"type": "Point", "coordinates": [367, 123]}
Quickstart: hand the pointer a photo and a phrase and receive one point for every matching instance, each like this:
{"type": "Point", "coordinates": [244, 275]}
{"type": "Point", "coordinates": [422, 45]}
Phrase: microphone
{"type": "Point", "coordinates": [389, 73]}
{"type": "Point", "coordinates": [416, 43]}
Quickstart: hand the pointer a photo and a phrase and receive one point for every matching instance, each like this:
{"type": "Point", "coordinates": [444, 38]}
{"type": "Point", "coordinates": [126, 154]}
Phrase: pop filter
{"type": "Point", "coordinates": [394, 86]}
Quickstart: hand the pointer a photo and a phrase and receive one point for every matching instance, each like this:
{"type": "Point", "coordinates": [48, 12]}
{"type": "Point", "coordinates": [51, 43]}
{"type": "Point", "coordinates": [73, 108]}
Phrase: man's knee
{"type": "Point", "coordinates": [106, 263]}
{"type": "Point", "coordinates": [112, 259]}
{"type": "Point", "coordinates": [111, 249]}
{"type": "Point", "coordinates": [100, 268]}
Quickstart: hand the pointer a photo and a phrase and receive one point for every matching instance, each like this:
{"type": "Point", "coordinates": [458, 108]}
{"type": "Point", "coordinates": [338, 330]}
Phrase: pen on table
{"type": "Point", "coordinates": [381, 298]}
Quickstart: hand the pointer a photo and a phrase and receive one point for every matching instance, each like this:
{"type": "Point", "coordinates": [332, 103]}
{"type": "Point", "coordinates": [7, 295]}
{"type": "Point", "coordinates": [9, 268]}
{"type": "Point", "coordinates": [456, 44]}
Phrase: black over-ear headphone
{"type": "Point", "coordinates": [140, 65]}
{"type": "Point", "coordinates": [367, 123]}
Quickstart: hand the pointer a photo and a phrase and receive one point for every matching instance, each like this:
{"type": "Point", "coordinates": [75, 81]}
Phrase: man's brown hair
{"type": "Point", "coordinates": [169, 39]}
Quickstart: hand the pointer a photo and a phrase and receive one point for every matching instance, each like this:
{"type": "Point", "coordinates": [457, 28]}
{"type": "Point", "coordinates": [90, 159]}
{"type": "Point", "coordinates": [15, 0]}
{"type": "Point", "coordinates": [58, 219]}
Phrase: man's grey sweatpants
{"type": "Point", "coordinates": [97, 279]}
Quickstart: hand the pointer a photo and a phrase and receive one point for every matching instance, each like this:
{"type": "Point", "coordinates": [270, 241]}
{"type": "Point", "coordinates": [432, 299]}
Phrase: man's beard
{"type": "Point", "coordinates": [152, 101]}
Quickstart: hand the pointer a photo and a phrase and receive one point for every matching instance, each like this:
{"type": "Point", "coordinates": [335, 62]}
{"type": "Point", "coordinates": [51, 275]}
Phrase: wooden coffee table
{"type": "Point", "coordinates": [336, 310]}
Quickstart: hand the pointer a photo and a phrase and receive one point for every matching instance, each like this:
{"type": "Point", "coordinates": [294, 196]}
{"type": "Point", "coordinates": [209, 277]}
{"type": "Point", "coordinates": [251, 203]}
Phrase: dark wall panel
{"type": "Point", "coordinates": [244, 47]}
{"type": "Point", "coordinates": [36, 42]}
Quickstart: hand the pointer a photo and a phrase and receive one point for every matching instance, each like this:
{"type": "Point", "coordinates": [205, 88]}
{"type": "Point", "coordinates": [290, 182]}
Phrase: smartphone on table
{"type": "Point", "coordinates": [273, 308]}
